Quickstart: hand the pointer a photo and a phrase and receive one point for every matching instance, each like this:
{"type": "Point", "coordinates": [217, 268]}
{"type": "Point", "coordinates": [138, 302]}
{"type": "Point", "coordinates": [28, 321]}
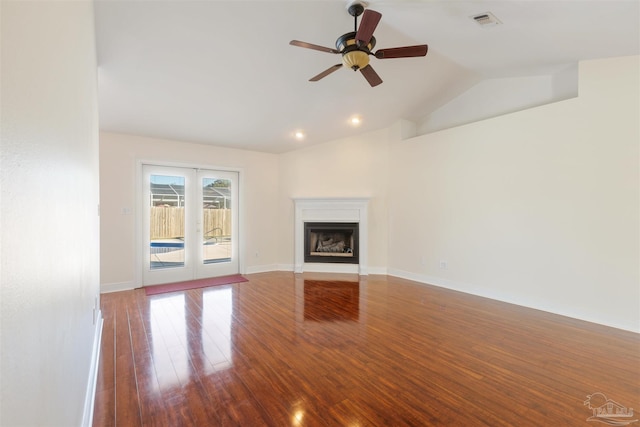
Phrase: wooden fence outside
{"type": "Point", "coordinates": [168, 222]}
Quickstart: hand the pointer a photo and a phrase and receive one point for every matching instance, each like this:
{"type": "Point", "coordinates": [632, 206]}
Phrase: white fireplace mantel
{"type": "Point", "coordinates": [331, 210]}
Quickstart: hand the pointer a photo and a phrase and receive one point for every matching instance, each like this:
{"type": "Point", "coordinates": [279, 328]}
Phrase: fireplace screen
{"type": "Point", "coordinates": [331, 242]}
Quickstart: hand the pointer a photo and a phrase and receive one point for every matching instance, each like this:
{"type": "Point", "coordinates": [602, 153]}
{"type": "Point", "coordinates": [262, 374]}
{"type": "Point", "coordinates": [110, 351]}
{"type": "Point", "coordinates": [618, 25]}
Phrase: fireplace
{"type": "Point", "coordinates": [331, 242]}
{"type": "Point", "coordinates": [351, 255]}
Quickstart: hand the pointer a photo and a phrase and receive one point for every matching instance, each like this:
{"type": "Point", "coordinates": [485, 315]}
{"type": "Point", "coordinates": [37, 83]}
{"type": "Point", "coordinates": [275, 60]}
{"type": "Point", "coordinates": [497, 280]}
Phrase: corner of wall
{"type": "Point", "coordinates": [402, 129]}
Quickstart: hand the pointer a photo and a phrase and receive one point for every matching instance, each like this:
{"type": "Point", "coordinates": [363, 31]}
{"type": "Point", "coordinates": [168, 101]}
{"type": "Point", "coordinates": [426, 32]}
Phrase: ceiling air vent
{"type": "Point", "coordinates": [486, 20]}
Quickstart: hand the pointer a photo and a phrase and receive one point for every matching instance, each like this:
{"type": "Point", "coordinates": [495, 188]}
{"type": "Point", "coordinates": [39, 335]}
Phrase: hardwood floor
{"type": "Point", "coordinates": [327, 350]}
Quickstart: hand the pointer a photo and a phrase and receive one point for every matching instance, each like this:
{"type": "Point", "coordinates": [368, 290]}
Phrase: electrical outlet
{"type": "Point", "coordinates": [423, 260]}
{"type": "Point", "coordinates": [443, 265]}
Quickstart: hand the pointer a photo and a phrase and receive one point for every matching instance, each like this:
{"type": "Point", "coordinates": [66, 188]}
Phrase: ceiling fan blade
{"type": "Point", "coordinates": [312, 46]}
{"type": "Point", "coordinates": [325, 73]}
{"type": "Point", "coordinates": [368, 25]}
{"type": "Point", "coordinates": [402, 52]}
{"type": "Point", "coordinates": [370, 74]}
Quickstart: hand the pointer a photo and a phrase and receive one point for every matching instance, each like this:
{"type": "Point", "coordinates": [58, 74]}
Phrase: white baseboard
{"type": "Point", "coordinates": [378, 270]}
{"type": "Point", "coordinates": [106, 288]}
{"type": "Point", "coordinates": [427, 280]}
{"type": "Point", "coordinates": [458, 286]}
{"type": "Point", "coordinates": [333, 268]}
{"type": "Point", "coordinates": [261, 269]}
{"type": "Point", "coordinates": [468, 288]}
{"type": "Point", "coordinates": [510, 299]}
{"type": "Point", "coordinates": [330, 268]}
{"type": "Point", "coordinates": [285, 267]}
{"type": "Point", "coordinates": [290, 267]}
{"type": "Point", "coordinates": [90, 396]}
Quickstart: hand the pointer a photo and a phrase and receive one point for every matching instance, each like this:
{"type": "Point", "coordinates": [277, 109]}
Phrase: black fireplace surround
{"type": "Point", "coordinates": [331, 242]}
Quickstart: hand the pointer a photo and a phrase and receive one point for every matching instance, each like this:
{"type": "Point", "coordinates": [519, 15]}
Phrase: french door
{"type": "Point", "coordinates": [189, 223]}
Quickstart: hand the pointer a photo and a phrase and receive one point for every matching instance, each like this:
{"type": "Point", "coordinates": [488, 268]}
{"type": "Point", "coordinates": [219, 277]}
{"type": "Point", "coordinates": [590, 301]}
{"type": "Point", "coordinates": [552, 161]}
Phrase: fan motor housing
{"type": "Point", "coordinates": [354, 55]}
{"type": "Point", "coordinates": [348, 41]}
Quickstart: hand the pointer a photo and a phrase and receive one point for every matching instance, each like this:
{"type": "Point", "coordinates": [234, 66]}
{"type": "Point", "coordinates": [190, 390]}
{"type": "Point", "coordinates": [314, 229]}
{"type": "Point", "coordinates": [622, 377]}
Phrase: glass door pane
{"type": "Point", "coordinates": [168, 224]}
{"type": "Point", "coordinates": [166, 218]}
{"type": "Point", "coordinates": [218, 223]}
{"type": "Point", "coordinates": [216, 220]}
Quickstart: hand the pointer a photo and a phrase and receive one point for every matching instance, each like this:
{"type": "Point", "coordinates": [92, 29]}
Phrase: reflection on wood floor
{"type": "Point", "coordinates": [339, 350]}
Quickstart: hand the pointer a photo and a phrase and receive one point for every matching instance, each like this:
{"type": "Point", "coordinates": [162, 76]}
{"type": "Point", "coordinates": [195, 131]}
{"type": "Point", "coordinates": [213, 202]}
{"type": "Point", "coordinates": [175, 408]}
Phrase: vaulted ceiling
{"type": "Point", "coordinates": [223, 72]}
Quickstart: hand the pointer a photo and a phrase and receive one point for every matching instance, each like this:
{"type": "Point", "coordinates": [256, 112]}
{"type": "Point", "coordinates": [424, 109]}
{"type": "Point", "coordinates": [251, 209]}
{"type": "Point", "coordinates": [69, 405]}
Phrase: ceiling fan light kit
{"type": "Point", "coordinates": [355, 47]}
{"type": "Point", "coordinates": [355, 54]}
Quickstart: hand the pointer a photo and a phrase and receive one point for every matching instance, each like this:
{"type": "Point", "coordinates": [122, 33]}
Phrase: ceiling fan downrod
{"type": "Point", "coordinates": [355, 10]}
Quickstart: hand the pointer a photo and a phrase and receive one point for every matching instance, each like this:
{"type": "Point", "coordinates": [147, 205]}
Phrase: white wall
{"type": "Point", "coordinates": [49, 213]}
{"type": "Point", "coordinates": [499, 96]}
{"type": "Point", "coordinates": [539, 207]}
{"type": "Point", "coordinates": [119, 155]}
{"type": "Point", "coordinates": [350, 167]}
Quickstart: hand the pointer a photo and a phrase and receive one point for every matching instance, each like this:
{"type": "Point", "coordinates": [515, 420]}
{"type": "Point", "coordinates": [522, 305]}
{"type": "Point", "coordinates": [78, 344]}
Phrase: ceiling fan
{"type": "Point", "coordinates": [355, 47]}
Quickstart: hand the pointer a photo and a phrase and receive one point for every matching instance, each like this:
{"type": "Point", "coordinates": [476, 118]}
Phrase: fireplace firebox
{"type": "Point", "coordinates": [331, 242]}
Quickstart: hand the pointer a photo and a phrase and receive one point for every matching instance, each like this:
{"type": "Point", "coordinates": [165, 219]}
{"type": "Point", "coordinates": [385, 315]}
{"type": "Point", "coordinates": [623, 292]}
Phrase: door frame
{"type": "Point", "coordinates": [139, 245]}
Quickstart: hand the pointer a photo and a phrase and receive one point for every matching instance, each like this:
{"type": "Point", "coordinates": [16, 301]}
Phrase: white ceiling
{"type": "Point", "coordinates": [223, 72]}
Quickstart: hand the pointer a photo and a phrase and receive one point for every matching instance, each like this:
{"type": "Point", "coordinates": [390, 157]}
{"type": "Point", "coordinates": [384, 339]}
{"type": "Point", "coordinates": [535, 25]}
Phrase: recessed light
{"type": "Point", "coordinates": [299, 135]}
{"type": "Point", "coordinates": [355, 121]}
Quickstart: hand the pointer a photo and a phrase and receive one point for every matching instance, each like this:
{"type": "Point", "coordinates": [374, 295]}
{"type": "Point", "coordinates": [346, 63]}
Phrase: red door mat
{"type": "Point", "coordinates": [194, 284]}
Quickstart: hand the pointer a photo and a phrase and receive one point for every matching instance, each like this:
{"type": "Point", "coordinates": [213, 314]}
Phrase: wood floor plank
{"type": "Point", "coordinates": [104, 406]}
{"type": "Point", "coordinates": [126, 387]}
{"type": "Point", "coordinates": [334, 350]}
